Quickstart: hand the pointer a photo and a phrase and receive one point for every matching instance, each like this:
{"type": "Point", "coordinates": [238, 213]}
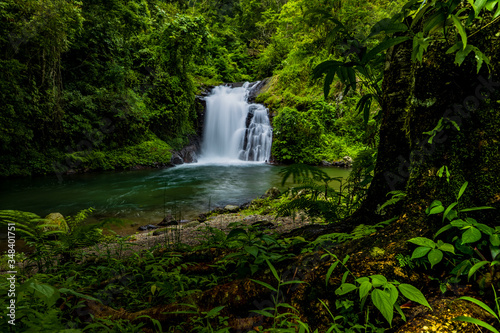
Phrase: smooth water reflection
{"type": "Point", "coordinates": [184, 191]}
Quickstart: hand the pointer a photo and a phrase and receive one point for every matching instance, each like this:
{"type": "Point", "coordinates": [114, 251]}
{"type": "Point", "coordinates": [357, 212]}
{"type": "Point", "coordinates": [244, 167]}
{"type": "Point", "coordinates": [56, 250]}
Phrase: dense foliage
{"type": "Point", "coordinates": [83, 83]}
{"type": "Point", "coordinates": [111, 84]}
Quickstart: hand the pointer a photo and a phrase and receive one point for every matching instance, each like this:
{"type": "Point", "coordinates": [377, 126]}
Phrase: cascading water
{"type": "Point", "coordinates": [234, 129]}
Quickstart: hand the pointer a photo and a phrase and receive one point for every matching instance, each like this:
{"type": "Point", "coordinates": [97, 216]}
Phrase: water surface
{"type": "Point", "coordinates": [184, 191]}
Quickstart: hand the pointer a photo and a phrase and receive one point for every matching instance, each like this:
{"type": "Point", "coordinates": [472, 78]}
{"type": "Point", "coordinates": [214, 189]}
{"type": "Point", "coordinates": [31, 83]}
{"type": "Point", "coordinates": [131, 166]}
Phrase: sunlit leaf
{"type": "Point", "coordinates": [413, 294]}
{"type": "Point", "coordinates": [383, 303]}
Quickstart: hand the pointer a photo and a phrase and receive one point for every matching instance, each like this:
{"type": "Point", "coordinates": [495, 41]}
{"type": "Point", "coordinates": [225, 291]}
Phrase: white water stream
{"type": "Point", "coordinates": [235, 130]}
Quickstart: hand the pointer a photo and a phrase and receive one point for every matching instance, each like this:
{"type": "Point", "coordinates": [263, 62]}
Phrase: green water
{"type": "Point", "coordinates": [145, 195]}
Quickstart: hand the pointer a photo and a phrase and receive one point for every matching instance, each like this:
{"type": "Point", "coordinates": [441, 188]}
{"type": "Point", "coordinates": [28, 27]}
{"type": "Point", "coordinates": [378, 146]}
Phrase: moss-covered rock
{"type": "Point", "coordinates": [55, 222]}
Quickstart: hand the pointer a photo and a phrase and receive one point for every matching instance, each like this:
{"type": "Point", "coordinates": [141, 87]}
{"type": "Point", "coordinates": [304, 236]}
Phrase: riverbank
{"type": "Point", "coordinates": [194, 233]}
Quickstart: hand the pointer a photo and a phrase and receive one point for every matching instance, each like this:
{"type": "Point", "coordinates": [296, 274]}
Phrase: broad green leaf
{"type": "Point", "coordinates": [378, 280]}
{"type": "Point", "coordinates": [345, 288]}
{"type": "Point", "coordinates": [364, 289]}
{"type": "Point", "coordinates": [344, 277]}
{"type": "Point", "coordinates": [478, 6]}
{"type": "Point", "coordinates": [253, 250]}
{"type": "Point", "coordinates": [446, 247]}
{"type": "Point", "coordinates": [433, 205]}
{"type": "Point", "coordinates": [495, 240]}
{"type": "Point", "coordinates": [476, 267]}
{"type": "Point", "coordinates": [46, 292]}
{"type": "Point", "coordinates": [477, 322]}
{"type": "Point", "coordinates": [273, 270]}
{"type": "Point", "coordinates": [435, 256]}
{"type": "Point", "coordinates": [455, 47]}
{"type": "Point", "coordinates": [362, 279]}
{"type": "Point", "coordinates": [459, 223]}
{"type": "Point", "coordinates": [461, 30]}
{"type": "Point", "coordinates": [413, 294]}
{"type": "Point", "coordinates": [462, 190]}
{"type": "Point", "coordinates": [462, 54]}
{"type": "Point", "coordinates": [452, 215]}
{"type": "Point", "coordinates": [448, 209]}
{"type": "Point", "coordinates": [471, 235]}
{"type": "Point", "coordinates": [491, 5]}
{"type": "Point", "coordinates": [485, 229]}
{"type": "Point", "coordinates": [423, 241]}
{"type": "Point", "coordinates": [330, 271]}
{"type": "Point", "coordinates": [235, 233]}
{"type": "Point", "coordinates": [393, 293]}
{"type": "Point", "coordinates": [254, 268]}
{"type": "Point", "coordinates": [398, 309]}
{"type": "Point", "coordinates": [436, 210]}
{"type": "Point", "coordinates": [495, 251]}
{"type": "Point", "coordinates": [383, 303]}
{"type": "Point", "coordinates": [420, 251]}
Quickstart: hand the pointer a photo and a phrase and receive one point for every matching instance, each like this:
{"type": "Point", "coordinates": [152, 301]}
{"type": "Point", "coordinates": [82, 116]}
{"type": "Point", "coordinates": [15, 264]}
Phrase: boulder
{"type": "Point", "coordinates": [168, 223]}
{"type": "Point", "coordinates": [325, 164]}
{"type": "Point", "coordinates": [168, 220]}
{"type": "Point", "coordinates": [347, 161]}
{"type": "Point", "coordinates": [272, 193]}
{"type": "Point", "coordinates": [55, 222]}
{"type": "Point", "coordinates": [189, 154]}
{"type": "Point", "coordinates": [232, 208]}
{"type": "Point", "coordinates": [176, 159]}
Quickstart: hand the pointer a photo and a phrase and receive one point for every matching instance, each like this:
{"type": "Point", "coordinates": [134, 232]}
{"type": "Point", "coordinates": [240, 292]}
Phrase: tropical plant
{"type": "Point", "coordinates": [485, 307]}
{"type": "Point", "coordinates": [384, 294]}
{"type": "Point", "coordinates": [282, 322]}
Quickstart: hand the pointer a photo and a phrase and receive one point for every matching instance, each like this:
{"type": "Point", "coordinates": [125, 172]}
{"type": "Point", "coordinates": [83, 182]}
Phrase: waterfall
{"type": "Point", "coordinates": [235, 129]}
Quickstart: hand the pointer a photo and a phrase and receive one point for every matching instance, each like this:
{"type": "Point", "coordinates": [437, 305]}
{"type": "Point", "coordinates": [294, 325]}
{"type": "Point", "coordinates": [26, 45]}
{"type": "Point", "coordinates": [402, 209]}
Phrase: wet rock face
{"type": "Point", "coordinates": [176, 159]}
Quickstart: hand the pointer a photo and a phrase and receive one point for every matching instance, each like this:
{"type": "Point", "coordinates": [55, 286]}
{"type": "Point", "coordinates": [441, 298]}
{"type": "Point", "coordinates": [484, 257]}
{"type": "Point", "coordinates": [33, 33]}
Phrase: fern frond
{"type": "Point", "coordinates": [301, 173]}
{"type": "Point", "coordinates": [27, 224]}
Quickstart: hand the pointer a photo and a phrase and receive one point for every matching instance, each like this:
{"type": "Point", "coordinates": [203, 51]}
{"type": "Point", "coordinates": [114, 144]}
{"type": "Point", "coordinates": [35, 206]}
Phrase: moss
{"type": "Point", "coordinates": [151, 152]}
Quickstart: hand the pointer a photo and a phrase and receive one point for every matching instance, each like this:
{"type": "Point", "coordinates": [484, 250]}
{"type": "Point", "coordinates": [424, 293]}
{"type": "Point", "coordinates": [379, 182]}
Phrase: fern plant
{"type": "Point", "coordinates": [314, 195]}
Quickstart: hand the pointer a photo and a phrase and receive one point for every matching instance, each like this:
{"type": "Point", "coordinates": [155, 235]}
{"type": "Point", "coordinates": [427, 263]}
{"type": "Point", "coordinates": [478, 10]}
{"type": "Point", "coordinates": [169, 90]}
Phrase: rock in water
{"type": "Point", "coordinates": [347, 161]}
{"type": "Point", "coordinates": [147, 227]}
